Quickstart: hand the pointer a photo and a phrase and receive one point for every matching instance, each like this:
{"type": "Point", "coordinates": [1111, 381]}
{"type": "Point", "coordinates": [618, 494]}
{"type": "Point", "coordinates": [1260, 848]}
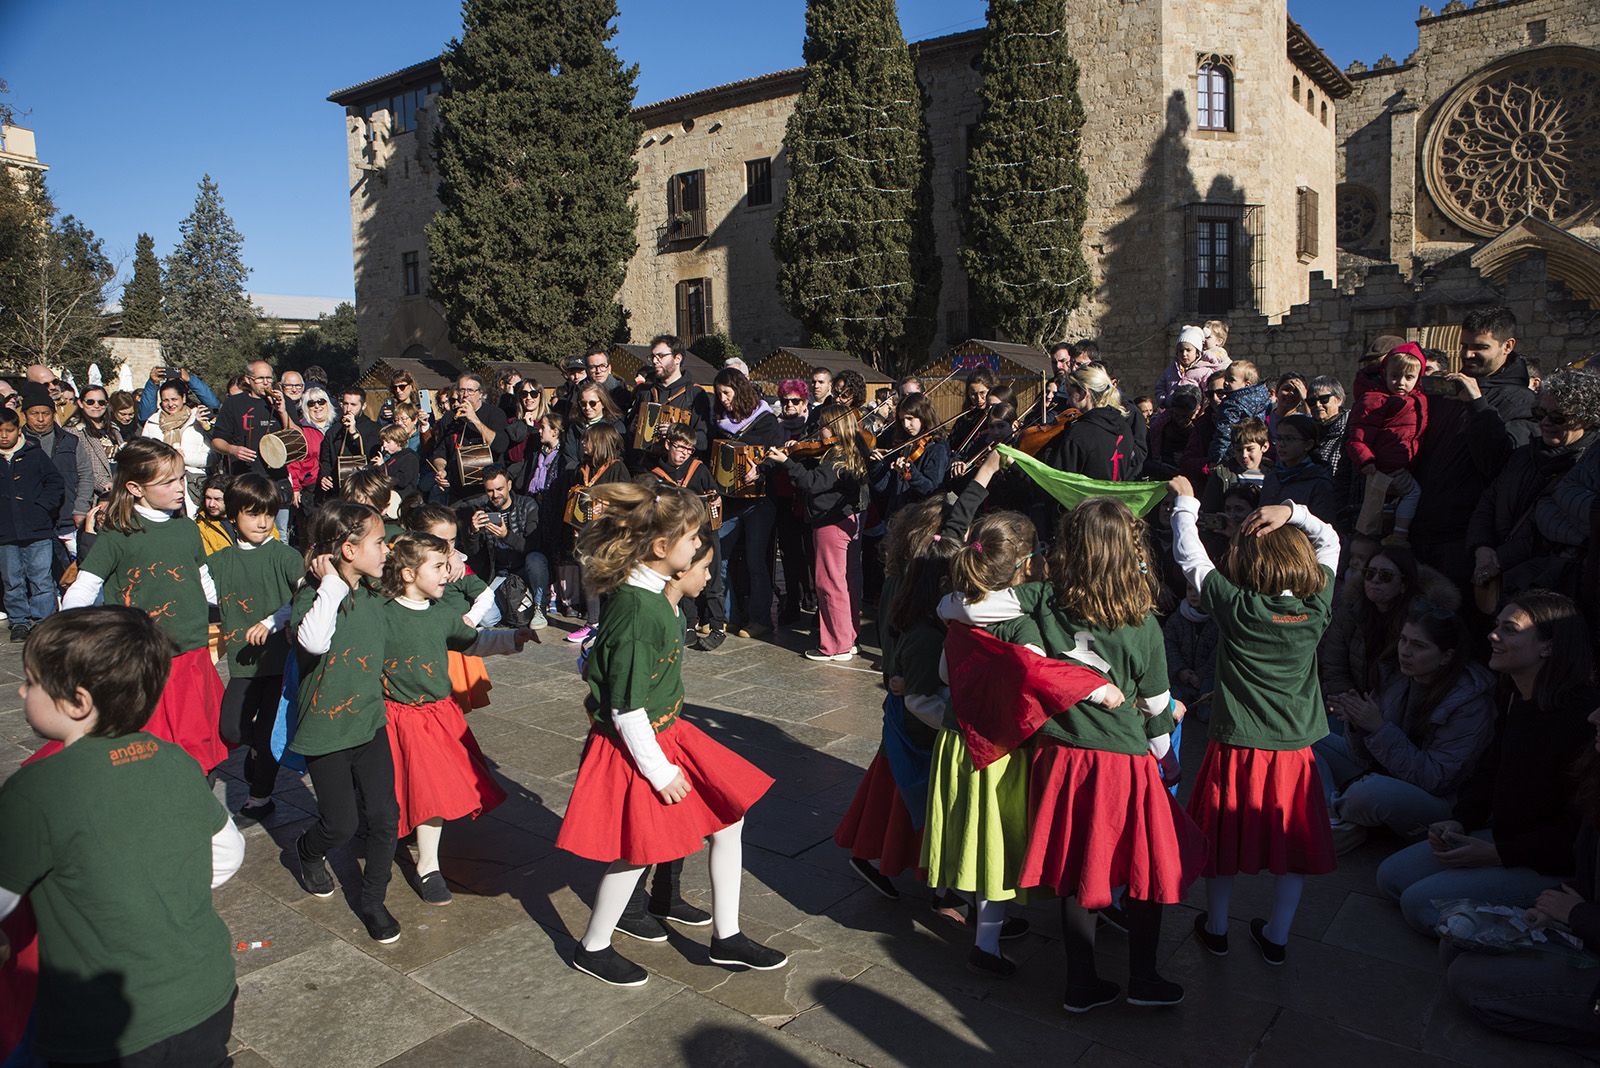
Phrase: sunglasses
{"type": "Point", "coordinates": [316, 404]}
{"type": "Point", "coordinates": [1381, 574]}
{"type": "Point", "coordinates": [794, 400]}
{"type": "Point", "coordinates": [1216, 393]}
{"type": "Point", "coordinates": [1322, 398]}
{"type": "Point", "coordinates": [91, 402]}
{"type": "Point", "coordinates": [1544, 415]}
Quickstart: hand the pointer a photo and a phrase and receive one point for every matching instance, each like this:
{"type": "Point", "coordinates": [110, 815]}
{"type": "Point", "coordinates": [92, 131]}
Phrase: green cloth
{"type": "Point", "coordinates": [460, 594]}
{"type": "Point", "coordinates": [1134, 658]}
{"type": "Point", "coordinates": [1072, 490]}
{"type": "Point", "coordinates": [416, 670]}
{"type": "Point", "coordinates": [110, 839]}
{"type": "Point", "coordinates": [340, 703]}
{"type": "Point", "coordinates": [637, 659]}
{"type": "Point", "coordinates": [156, 568]}
{"type": "Point", "coordinates": [252, 584]}
{"type": "Point", "coordinates": [1267, 694]}
{"type": "Point", "coordinates": [976, 830]}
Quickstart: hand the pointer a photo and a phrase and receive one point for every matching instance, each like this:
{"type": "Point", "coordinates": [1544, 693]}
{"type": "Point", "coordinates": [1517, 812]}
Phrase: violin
{"type": "Point", "coordinates": [1035, 439]}
{"type": "Point", "coordinates": [810, 450]}
{"type": "Point", "coordinates": [916, 454]}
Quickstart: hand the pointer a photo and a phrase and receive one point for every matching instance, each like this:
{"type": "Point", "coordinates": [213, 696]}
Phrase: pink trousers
{"type": "Point", "coordinates": [838, 578]}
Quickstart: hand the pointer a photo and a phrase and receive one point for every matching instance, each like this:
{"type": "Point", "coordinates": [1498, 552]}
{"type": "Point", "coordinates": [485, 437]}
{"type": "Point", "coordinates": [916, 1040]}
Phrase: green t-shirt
{"type": "Point", "coordinates": [415, 668]}
{"type": "Point", "coordinates": [110, 839]}
{"type": "Point", "coordinates": [340, 704]}
{"type": "Point", "coordinates": [1267, 693]}
{"type": "Point", "coordinates": [637, 659]}
{"type": "Point", "coordinates": [460, 594]}
{"type": "Point", "coordinates": [157, 568]}
{"type": "Point", "coordinates": [252, 584]}
{"type": "Point", "coordinates": [1134, 658]}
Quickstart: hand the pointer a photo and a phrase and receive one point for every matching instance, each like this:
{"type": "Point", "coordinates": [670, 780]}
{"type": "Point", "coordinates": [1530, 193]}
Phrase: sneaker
{"type": "Point", "coordinates": [808, 603]}
{"type": "Point", "coordinates": [818, 654]}
{"type": "Point", "coordinates": [711, 640]}
{"type": "Point", "coordinates": [753, 630]}
{"type": "Point", "coordinates": [680, 911]}
{"type": "Point", "coordinates": [256, 813]}
{"type": "Point", "coordinates": [875, 878]}
{"type": "Point", "coordinates": [643, 926]}
{"type": "Point", "coordinates": [432, 889]}
{"type": "Point", "coordinates": [740, 952]}
{"type": "Point", "coordinates": [1214, 944]}
{"type": "Point", "coordinates": [381, 926]}
{"type": "Point", "coordinates": [1154, 992]}
{"type": "Point", "coordinates": [1271, 952]}
{"type": "Point", "coordinates": [994, 965]}
{"type": "Point", "coordinates": [1347, 836]}
{"type": "Point", "coordinates": [609, 966]}
{"type": "Point", "coordinates": [314, 876]}
{"type": "Point", "coordinates": [580, 634]}
{"type": "Point", "coordinates": [19, 632]}
{"type": "Point", "coordinates": [1102, 992]}
{"type": "Point", "coordinates": [1113, 917]}
{"type": "Point", "coordinates": [538, 621]}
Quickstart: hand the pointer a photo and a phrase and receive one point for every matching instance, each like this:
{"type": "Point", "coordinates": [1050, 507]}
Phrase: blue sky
{"type": "Point", "coordinates": [149, 96]}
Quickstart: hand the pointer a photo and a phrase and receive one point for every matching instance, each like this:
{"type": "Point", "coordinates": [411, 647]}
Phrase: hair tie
{"type": "Point", "coordinates": [938, 538]}
{"type": "Point", "coordinates": [977, 546]}
{"type": "Point", "coordinates": [1144, 568]}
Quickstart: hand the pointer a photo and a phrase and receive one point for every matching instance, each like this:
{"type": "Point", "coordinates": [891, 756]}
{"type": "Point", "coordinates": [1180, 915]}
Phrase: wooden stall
{"type": "Point", "coordinates": [631, 361]}
{"type": "Point", "coordinates": [794, 362]}
{"type": "Point", "coordinates": [431, 373]}
{"type": "Point", "coordinates": [1021, 367]}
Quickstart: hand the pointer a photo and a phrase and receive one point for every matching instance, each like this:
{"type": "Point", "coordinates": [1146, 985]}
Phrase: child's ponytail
{"type": "Point", "coordinates": [634, 515]}
{"type": "Point", "coordinates": [997, 549]}
{"type": "Point", "coordinates": [334, 524]}
{"type": "Point", "coordinates": [141, 461]}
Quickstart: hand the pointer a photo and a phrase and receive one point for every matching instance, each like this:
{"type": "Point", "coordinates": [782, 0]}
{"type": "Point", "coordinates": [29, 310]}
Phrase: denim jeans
{"type": "Point", "coordinates": [751, 524]}
{"type": "Point", "coordinates": [1536, 997]}
{"type": "Point", "coordinates": [1415, 879]}
{"type": "Point", "coordinates": [536, 573]}
{"type": "Point", "coordinates": [30, 592]}
{"type": "Point", "coordinates": [1370, 799]}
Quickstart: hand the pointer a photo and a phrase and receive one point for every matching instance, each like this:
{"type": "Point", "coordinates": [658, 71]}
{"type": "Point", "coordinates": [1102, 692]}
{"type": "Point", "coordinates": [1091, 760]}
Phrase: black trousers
{"type": "Point", "coordinates": [354, 785]}
{"type": "Point", "coordinates": [249, 707]}
{"type": "Point", "coordinates": [205, 1045]}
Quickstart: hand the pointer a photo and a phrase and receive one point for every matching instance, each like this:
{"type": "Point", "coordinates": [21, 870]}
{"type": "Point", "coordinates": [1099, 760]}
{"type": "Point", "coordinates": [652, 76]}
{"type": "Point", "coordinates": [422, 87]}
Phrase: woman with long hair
{"type": "Point", "coordinates": [1513, 829]}
{"type": "Point", "coordinates": [912, 458]}
{"type": "Point", "coordinates": [178, 425]}
{"type": "Point", "coordinates": [592, 406]}
{"type": "Point", "coordinates": [99, 432]}
{"type": "Point", "coordinates": [1099, 443]}
{"type": "Point", "coordinates": [740, 417]}
{"type": "Point", "coordinates": [1358, 651]}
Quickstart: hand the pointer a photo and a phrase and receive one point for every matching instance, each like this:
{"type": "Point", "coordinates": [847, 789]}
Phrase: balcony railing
{"type": "Point", "coordinates": [684, 226]}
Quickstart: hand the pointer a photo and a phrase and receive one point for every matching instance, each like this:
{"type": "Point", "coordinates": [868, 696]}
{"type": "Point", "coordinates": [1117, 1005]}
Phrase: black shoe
{"type": "Point", "coordinates": [314, 876]}
{"type": "Point", "coordinates": [994, 965]}
{"type": "Point", "coordinates": [711, 640]}
{"type": "Point", "coordinates": [1102, 992]}
{"type": "Point", "coordinates": [1216, 945]}
{"type": "Point", "coordinates": [739, 951]}
{"type": "Point", "coordinates": [1271, 952]}
{"type": "Point", "coordinates": [808, 603]}
{"type": "Point", "coordinates": [1153, 992]}
{"type": "Point", "coordinates": [788, 613]}
{"type": "Point", "coordinates": [381, 926]}
{"type": "Point", "coordinates": [875, 878]}
{"type": "Point", "coordinates": [643, 926]}
{"type": "Point", "coordinates": [432, 889]}
{"type": "Point", "coordinates": [1015, 927]}
{"type": "Point", "coordinates": [256, 813]}
{"type": "Point", "coordinates": [19, 632]}
{"type": "Point", "coordinates": [680, 911]}
{"type": "Point", "coordinates": [1113, 917]}
{"type": "Point", "coordinates": [609, 966]}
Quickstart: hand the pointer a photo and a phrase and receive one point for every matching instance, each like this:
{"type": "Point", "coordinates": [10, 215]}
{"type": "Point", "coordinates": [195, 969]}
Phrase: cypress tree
{"type": "Point", "coordinates": [1027, 189]}
{"type": "Point", "coordinates": [854, 239]}
{"type": "Point", "coordinates": [141, 297]}
{"type": "Point", "coordinates": [208, 315]}
{"type": "Point", "coordinates": [535, 149]}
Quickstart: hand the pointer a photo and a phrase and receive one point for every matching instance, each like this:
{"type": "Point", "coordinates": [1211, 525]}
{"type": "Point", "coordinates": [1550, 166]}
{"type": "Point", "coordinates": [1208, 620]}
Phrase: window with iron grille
{"type": "Point", "coordinates": [1306, 245]}
{"type": "Point", "coordinates": [757, 182]}
{"type": "Point", "coordinates": [694, 308]}
{"type": "Point", "coordinates": [411, 273]}
{"type": "Point", "coordinates": [1214, 95]}
{"type": "Point", "coordinates": [1222, 254]}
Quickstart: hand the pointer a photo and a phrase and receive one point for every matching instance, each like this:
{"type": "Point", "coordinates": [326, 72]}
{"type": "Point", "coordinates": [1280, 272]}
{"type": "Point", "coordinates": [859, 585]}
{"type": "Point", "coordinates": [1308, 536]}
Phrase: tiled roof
{"type": "Point", "coordinates": [426, 71]}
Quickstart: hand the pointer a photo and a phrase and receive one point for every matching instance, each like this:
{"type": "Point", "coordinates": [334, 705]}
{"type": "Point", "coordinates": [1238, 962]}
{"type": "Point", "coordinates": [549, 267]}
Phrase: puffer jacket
{"type": "Point", "coordinates": [1386, 429]}
{"type": "Point", "coordinates": [1251, 402]}
{"type": "Point", "coordinates": [1563, 513]}
{"type": "Point", "coordinates": [1308, 483]}
{"type": "Point", "coordinates": [1447, 747]}
{"type": "Point", "coordinates": [1210, 362]}
{"type": "Point", "coordinates": [1531, 475]}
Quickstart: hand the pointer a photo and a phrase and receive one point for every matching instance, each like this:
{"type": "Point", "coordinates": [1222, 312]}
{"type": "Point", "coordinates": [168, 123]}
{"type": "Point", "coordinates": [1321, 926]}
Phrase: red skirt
{"type": "Point", "coordinates": [190, 708]}
{"type": "Point", "coordinates": [439, 771]}
{"type": "Point", "coordinates": [615, 814]}
{"type": "Point", "coordinates": [469, 680]}
{"type": "Point", "coordinates": [19, 976]}
{"type": "Point", "coordinates": [1262, 809]}
{"type": "Point", "coordinates": [1103, 820]}
{"type": "Point", "coordinates": [878, 826]}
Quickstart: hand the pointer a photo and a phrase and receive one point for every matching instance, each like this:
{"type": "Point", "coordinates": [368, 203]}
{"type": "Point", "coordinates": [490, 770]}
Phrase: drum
{"type": "Point", "coordinates": [470, 463]}
{"type": "Point", "coordinates": [731, 461]}
{"type": "Point", "coordinates": [282, 447]}
{"type": "Point", "coordinates": [349, 465]}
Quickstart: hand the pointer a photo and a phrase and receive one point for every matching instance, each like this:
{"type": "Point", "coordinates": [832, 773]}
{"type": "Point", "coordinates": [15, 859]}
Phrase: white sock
{"type": "Point", "coordinates": [1219, 891]}
{"type": "Point", "coordinates": [257, 802]}
{"type": "Point", "coordinates": [727, 869]}
{"type": "Point", "coordinates": [991, 916]}
{"type": "Point", "coordinates": [616, 887]}
{"type": "Point", "coordinates": [428, 833]}
{"type": "Point", "coordinates": [1285, 899]}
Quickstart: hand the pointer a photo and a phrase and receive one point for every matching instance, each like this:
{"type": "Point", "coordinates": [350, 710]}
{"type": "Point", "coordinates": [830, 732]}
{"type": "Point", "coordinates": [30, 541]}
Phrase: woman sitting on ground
{"type": "Point", "coordinates": [1358, 651]}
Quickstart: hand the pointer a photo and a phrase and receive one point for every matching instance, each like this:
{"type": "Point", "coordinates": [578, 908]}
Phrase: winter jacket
{"type": "Point", "coordinates": [1563, 514]}
{"type": "Point", "coordinates": [1386, 429]}
{"type": "Point", "coordinates": [684, 394]}
{"type": "Point", "coordinates": [1447, 746]}
{"type": "Point", "coordinates": [488, 554]}
{"type": "Point", "coordinates": [150, 396]}
{"type": "Point", "coordinates": [1307, 483]}
{"type": "Point", "coordinates": [1251, 402]}
{"type": "Point", "coordinates": [1168, 439]}
{"type": "Point", "coordinates": [572, 442]}
{"type": "Point", "coordinates": [71, 457]}
{"type": "Point", "coordinates": [303, 473]}
{"type": "Point", "coordinates": [895, 488]}
{"type": "Point", "coordinates": [1530, 476]}
{"type": "Point", "coordinates": [32, 494]}
{"type": "Point", "coordinates": [1465, 446]}
{"type": "Point", "coordinates": [1210, 362]}
{"type": "Point", "coordinates": [1191, 644]}
{"type": "Point", "coordinates": [1099, 445]}
{"type": "Point", "coordinates": [1193, 464]}
{"type": "Point", "coordinates": [829, 492]}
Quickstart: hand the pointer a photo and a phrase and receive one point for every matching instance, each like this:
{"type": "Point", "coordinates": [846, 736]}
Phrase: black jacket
{"type": "Point", "coordinates": [683, 394]}
{"type": "Point", "coordinates": [453, 433]}
{"type": "Point", "coordinates": [1099, 445]}
{"type": "Point", "coordinates": [335, 445]}
{"type": "Point", "coordinates": [497, 554]}
{"type": "Point", "coordinates": [32, 492]}
{"type": "Point", "coordinates": [830, 493]}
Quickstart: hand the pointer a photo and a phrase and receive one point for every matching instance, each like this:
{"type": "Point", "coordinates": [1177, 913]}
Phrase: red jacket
{"type": "Point", "coordinates": [1386, 429]}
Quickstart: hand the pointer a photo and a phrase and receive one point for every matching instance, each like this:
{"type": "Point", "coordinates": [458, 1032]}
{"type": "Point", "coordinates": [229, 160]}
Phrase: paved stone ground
{"type": "Point", "coordinates": [872, 982]}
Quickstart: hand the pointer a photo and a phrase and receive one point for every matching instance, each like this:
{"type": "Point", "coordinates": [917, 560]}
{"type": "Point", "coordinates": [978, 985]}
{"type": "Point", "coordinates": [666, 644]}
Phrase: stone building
{"type": "Point", "coordinates": [1209, 142]}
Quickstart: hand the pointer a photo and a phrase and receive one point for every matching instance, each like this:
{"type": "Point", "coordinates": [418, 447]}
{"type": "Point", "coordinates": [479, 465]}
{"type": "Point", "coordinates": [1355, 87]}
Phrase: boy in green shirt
{"type": "Point", "coordinates": [116, 841]}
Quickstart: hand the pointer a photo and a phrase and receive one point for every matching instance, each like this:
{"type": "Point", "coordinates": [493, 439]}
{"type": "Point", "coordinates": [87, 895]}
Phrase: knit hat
{"type": "Point", "coordinates": [1192, 335]}
{"type": "Point", "coordinates": [1383, 345]}
{"type": "Point", "coordinates": [36, 395]}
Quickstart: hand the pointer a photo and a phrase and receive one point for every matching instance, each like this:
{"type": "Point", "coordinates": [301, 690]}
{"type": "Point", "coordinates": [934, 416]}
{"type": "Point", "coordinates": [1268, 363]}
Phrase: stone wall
{"type": "Point", "coordinates": [141, 355]}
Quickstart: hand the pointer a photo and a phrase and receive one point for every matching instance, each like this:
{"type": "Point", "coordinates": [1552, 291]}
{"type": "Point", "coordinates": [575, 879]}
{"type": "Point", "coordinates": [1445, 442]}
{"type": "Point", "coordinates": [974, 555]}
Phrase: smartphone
{"type": "Point", "coordinates": [1437, 386]}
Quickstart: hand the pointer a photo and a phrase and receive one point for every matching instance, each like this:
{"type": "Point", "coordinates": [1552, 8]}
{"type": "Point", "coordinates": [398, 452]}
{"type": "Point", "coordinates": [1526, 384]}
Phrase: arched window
{"type": "Point", "coordinates": [1324, 113]}
{"type": "Point", "coordinates": [1311, 102]}
{"type": "Point", "coordinates": [1214, 94]}
{"type": "Point", "coordinates": [1297, 88]}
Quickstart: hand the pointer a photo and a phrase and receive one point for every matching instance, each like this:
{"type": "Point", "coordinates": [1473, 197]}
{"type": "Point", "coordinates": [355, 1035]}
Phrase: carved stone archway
{"type": "Point", "coordinates": [1518, 139]}
{"type": "Point", "coordinates": [1573, 262]}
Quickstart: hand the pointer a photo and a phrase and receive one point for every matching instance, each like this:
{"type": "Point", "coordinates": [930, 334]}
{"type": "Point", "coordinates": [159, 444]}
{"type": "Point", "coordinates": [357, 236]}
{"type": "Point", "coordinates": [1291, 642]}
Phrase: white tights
{"type": "Point", "coordinates": [1286, 891]}
{"type": "Point", "coordinates": [617, 885]}
{"type": "Point", "coordinates": [428, 833]}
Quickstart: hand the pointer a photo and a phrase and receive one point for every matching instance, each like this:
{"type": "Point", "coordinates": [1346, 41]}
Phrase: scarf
{"type": "Point", "coordinates": [735, 428]}
{"type": "Point", "coordinates": [172, 426]}
{"type": "Point", "coordinates": [541, 471]}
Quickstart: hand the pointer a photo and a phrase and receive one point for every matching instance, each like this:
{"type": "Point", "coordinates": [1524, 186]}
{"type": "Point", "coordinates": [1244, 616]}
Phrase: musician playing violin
{"type": "Point", "coordinates": [1101, 442]}
{"type": "Point", "coordinates": [913, 459]}
{"type": "Point", "coordinates": [968, 427]}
